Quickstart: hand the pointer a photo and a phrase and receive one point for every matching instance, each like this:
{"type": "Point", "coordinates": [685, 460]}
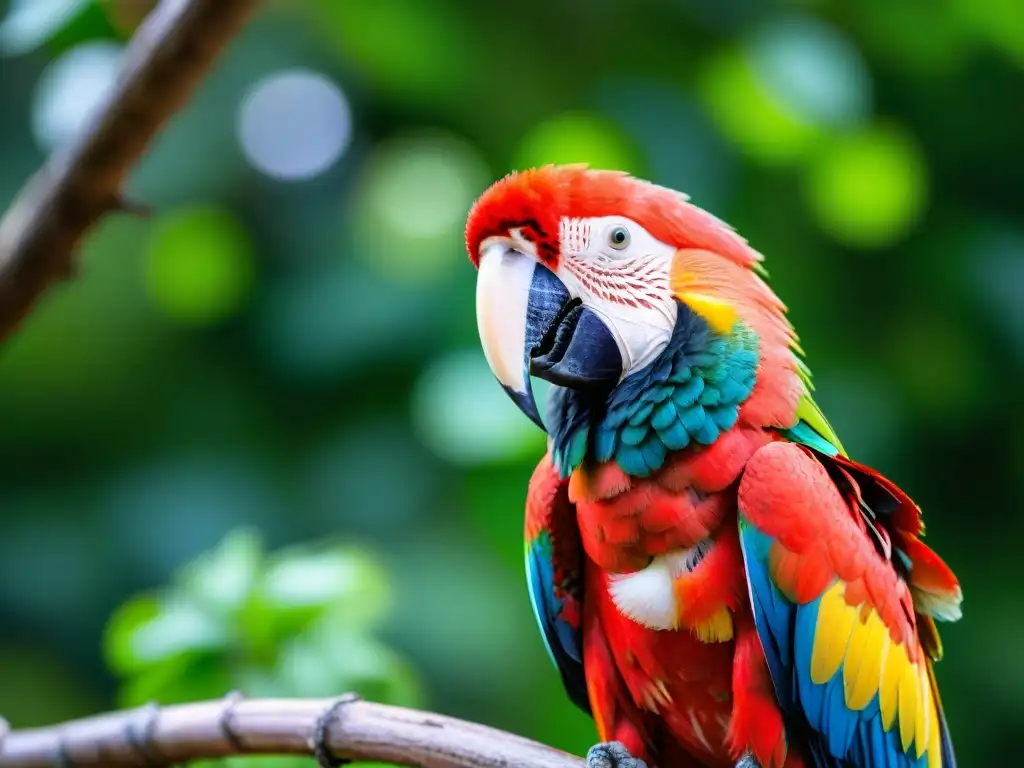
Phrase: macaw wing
{"type": "Point", "coordinates": [554, 558]}
{"type": "Point", "coordinates": [835, 610]}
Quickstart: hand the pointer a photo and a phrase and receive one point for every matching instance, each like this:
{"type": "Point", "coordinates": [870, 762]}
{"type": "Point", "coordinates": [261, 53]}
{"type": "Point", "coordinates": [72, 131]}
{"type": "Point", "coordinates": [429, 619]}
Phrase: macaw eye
{"type": "Point", "coordinates": [618, 238]}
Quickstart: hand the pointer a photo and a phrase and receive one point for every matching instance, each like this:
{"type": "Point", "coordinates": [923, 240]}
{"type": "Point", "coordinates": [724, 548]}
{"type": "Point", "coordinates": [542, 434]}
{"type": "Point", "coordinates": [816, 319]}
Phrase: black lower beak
{"type": "Point", "coordinates": [577, 351]}
{"type": "Point", "coordinates": [558, 339]}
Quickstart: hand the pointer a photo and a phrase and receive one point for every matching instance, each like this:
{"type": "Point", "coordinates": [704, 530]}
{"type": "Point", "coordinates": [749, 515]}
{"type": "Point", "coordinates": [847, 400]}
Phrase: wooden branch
{"type": "Point", "coordinates": [168, 56]}
{"type": "Point", "coordinates": [343, 728]}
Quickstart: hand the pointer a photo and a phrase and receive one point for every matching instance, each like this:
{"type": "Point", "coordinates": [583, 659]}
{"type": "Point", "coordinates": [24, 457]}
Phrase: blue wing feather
{"type": "Point", "coordinates": [561, 638]}
{"type": "Point", "coordinates": [838, 737]}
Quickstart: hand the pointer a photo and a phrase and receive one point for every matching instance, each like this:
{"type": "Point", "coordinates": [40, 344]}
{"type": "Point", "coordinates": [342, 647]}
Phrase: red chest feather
{"type": "Point", "coordinates": [671, 640]}
{"type": "Point", "coordinates": [625, 521]}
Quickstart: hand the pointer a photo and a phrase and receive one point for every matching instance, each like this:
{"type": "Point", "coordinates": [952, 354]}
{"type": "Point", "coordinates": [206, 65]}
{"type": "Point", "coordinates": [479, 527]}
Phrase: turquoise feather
{"type": "Point", "coordinates": [690, 394]}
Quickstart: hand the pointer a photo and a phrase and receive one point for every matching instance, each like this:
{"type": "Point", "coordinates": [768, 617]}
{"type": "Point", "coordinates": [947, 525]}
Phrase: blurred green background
{"type": "Point", "coordinates": [280, 371]}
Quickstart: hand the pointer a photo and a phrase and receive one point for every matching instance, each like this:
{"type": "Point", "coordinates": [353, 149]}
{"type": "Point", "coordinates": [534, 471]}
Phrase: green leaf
{"type": "Point", "coordinates": [329, 659]}
{"type": "Point", "coordinates": [147, 631]}
{"type": "Point", "coordinates": [303, 583]}
{"type": "Point", "coordinates": [223, 578]}
{"type": "Point", "coordinates": [303, 578]}
{"type": "Point", "coordinates": [295, 623]}
{"type": "Point", "coordinates": [178, 679]}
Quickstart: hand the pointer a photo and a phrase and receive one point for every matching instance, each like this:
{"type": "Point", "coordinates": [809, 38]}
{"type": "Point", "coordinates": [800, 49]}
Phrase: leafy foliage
{"type": "Point", "coordinates": [298, 622]}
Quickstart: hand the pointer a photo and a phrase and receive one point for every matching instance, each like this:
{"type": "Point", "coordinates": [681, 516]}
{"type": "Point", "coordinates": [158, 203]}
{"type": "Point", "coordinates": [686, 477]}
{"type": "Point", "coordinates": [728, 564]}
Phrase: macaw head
{"type": "Point", "coordinates": [582, 274]}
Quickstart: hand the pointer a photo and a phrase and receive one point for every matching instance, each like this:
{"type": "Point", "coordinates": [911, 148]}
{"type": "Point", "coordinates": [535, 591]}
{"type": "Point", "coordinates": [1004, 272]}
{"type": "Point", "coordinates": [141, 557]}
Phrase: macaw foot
{"type": "Point", "coordinates": [748, 761]}
{"type": "Point", "coordinates": [612, 754]}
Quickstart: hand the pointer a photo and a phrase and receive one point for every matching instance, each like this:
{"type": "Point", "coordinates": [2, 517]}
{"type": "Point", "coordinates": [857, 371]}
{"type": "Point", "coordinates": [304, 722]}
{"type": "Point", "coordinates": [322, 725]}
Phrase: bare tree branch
{"type": "Point", "coordinates": [349, 729]}
{"type": "Point", "coordinates": [169, 55]}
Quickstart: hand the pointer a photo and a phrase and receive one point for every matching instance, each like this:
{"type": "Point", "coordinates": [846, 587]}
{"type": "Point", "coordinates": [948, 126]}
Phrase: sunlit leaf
{"type": "Point", "coordinates": [146, 631]}
{"type": "Point", "coordinates": [222, 578]}
{"type": "Point", "coordinates": [121, 628]}
{"type": "Point", "coordinates": [297, 623]}
{"type": "Point", "coordinates": [301, 585]}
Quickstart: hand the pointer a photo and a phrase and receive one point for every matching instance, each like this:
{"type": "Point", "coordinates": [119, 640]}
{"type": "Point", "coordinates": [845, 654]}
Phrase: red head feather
{"type": "Point", "coordinates": [537, 199]}
{"type": "Point", "coordinates": [712, 259]}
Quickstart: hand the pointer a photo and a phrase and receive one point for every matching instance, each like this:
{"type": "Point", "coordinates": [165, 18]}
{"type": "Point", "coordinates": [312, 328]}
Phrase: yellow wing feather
{"type": "Point", "coordinates": [832, 634]}
{"type": "Point", "coordinates": [855, 640]}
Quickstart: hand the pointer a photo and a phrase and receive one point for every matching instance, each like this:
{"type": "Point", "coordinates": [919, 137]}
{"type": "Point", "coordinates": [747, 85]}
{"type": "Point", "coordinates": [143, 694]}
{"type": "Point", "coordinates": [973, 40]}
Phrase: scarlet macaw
{"type": "Point", "coordinates": [716, 580]}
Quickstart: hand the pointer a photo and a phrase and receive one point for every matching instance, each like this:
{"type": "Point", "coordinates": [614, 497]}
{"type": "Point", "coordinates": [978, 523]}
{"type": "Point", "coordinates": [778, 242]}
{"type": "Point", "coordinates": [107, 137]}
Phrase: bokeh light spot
{"type": "Point", "coordinates": [71, 89]}
{"type": "Point", "coordinates": [419, 192]}
{"type": "Point", "coordinates": [813, 69]}
{"type": "Point", "coordinates": [868, 188]}
{"type": "Point", "coordinates": [199, 266]}
{"type": "Point", "coordinates": [746, 111]}
{"type": "Point", "coordinates": [579, 137]}
{"type": "Point", "coordinates": [294, 125]}
{"type": "Point", "coordinates": [31, 22]}
{"type": "Point", "coordinates": [412, 203]}
{"type": "Point", "coordinates": [462, 414]}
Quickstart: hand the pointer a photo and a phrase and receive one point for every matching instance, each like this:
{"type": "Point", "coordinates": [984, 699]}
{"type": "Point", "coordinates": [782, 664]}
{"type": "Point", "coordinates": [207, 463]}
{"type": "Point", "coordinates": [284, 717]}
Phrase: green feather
{"type": "Point", "coordinates": [808, 412]}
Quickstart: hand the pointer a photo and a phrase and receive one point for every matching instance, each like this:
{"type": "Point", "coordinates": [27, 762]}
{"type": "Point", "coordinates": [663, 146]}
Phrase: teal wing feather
{"type": "Point", "coordinates": [554, 557]}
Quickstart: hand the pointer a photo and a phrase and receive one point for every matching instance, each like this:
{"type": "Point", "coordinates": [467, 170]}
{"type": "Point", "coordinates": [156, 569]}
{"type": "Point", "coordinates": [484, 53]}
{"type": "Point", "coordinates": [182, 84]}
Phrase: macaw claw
{"type": "Point", "coordinates": [612, 754]}
{"type": "Point", "coordinates": [748, 761]}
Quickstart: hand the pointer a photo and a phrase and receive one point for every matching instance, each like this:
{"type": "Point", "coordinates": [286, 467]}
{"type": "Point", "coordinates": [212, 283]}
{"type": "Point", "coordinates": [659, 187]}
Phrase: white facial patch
{"type": "Point", "coordinates": [621, 272]}
{"type": "Point", "coordinates": [574, 235]}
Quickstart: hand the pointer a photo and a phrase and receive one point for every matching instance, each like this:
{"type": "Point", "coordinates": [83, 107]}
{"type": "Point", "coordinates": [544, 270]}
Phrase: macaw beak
{"type": "Point", "coordinates": [530, 324]}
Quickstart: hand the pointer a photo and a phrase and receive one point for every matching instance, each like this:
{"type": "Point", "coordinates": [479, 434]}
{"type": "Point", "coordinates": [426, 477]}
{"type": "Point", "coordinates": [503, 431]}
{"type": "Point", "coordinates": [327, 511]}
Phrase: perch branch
{"type": "Point", "coordinates": [170, 53]}
{"type": "Point", "coordinates": [348, 728]}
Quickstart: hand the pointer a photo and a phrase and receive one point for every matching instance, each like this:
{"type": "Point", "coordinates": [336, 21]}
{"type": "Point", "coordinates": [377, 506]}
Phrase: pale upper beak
{"type": "Point", "coordinates": [529, 323]}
